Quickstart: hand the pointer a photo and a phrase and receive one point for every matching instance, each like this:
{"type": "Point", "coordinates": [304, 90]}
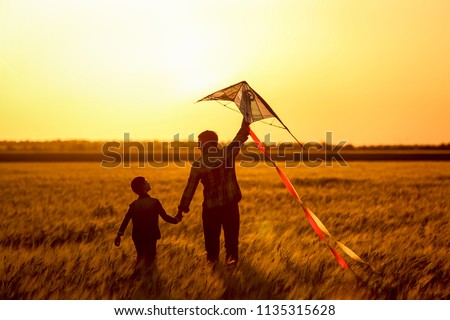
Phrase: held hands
{"type": "Point", "coordinates": [117, 241]}
{"type": "Point", "coordinates": [179, 216]}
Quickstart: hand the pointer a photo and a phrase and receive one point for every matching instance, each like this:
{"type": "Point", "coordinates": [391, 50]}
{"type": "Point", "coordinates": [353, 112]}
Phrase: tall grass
{"type": "Point", "coordinates": [58, 223]}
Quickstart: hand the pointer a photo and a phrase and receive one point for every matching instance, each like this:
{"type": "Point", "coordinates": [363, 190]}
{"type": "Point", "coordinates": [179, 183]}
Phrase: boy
{"type": "Point", "coordinates": [144, 212]}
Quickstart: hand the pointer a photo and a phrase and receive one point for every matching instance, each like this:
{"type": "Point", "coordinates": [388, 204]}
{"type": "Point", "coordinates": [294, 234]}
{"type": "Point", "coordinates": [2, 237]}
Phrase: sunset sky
{"type": "Point", "coordinates": [371, 72]}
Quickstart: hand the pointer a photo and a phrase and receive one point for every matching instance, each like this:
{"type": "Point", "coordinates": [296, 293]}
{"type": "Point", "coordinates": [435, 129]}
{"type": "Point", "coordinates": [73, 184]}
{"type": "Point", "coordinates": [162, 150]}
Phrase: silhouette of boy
{"type": "Point", "coordinates": [144, 212]}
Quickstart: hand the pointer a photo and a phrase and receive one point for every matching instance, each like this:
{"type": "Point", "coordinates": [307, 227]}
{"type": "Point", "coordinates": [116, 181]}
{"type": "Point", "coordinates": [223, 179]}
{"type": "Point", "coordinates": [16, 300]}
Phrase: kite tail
{"type": "Point", "coordinates": [317, 225]}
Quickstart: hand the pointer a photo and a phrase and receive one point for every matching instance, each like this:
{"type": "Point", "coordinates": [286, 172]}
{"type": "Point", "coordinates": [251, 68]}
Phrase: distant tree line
{"type": "Point", "coordinates": [442, 146]}
{"type": "Point", "coordinates": [96, 146]}
{"type": "Point", "coordinates": [51, 146]}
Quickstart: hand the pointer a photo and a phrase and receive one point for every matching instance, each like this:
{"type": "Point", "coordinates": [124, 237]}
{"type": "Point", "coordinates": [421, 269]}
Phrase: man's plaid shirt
{"type": "Point", "coordinates": [216, 171]}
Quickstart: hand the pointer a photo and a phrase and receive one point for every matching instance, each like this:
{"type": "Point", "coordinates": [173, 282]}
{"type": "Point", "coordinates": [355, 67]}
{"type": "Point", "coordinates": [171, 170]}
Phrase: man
{"type": "Point", "coordinates": [215, 169]}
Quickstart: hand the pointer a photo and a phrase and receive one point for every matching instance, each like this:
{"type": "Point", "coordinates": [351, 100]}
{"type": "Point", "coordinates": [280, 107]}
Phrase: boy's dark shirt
{"type": "Point", "coordinates": [145, 212]}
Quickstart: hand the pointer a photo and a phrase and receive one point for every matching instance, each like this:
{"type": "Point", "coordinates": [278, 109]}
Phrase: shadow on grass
{"type": "Point", "coordinates": [149, 284]}
{"type": "Point", "coordinates": [244, 282]}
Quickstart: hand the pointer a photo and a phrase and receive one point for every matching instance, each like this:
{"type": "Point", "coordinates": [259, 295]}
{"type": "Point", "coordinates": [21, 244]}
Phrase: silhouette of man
{"type": "Point", "coordinates": [215, 169]}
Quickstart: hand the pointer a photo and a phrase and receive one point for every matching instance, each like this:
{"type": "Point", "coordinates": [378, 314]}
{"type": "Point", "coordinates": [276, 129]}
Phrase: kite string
{"type": "Point", "coordinates": [314, 221]}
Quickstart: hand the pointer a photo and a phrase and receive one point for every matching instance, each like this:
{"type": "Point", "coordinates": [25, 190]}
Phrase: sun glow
{"type": "Point", "coordinates": [94, 69]}
{"type": "Point", "coordinates": [184, 58]}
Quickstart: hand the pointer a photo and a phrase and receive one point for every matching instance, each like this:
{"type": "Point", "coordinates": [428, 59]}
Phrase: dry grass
{"type": "Point", "coordinates": [59, 221]}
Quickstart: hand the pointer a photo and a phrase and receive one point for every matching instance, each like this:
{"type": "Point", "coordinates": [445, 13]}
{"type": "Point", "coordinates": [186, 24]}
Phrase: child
{"type": "Point", "coordinates": [144, 212]}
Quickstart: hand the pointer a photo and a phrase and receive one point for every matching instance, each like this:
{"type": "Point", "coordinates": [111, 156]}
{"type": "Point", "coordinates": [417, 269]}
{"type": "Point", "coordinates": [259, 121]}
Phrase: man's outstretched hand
{"type": "Point", "coordinates": [245, 124]}
{"type": "Point", "coordinates": [179, 216]}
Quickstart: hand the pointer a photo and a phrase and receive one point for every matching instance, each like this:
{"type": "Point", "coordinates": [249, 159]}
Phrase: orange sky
{"type": "Point", "coordinates": [372, 72]}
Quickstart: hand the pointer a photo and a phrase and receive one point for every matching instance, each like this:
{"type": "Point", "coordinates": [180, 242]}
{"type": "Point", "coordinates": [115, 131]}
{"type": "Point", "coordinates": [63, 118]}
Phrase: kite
{"type": "Point", "coordinates": [250, 103]}
{"type": "Point", "coordinates": [254, 108]}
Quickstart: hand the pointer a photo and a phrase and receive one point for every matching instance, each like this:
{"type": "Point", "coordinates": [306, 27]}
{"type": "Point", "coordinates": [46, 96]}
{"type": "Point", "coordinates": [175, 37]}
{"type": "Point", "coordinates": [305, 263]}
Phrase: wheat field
{"type": "Point", "coordinates": [59, 220]}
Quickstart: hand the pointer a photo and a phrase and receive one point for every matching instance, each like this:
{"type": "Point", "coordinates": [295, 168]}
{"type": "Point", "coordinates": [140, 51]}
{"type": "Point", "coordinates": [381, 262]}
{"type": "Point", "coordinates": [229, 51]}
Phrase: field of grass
{"type": "Point", "coordinates": [59, 220]}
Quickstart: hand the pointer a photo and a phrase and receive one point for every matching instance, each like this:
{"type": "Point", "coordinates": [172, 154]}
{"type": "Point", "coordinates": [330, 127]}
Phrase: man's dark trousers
{"type": "Point", "coordinates": [213, 220]}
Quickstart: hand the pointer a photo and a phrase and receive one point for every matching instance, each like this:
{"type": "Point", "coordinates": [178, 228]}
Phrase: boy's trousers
{"type": "Point", "coordinates": [214, 219]}
{"type": "Point", "coordinates": [146, 250]}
